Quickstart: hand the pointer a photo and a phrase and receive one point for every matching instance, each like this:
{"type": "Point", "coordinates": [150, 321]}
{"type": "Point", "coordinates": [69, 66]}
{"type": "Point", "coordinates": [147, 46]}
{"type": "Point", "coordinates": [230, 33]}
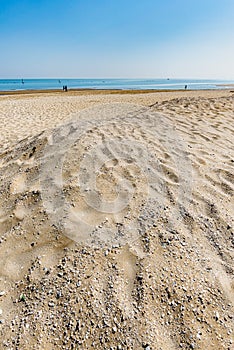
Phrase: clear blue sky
{"type": "Point", "coordinates": [117, 38]}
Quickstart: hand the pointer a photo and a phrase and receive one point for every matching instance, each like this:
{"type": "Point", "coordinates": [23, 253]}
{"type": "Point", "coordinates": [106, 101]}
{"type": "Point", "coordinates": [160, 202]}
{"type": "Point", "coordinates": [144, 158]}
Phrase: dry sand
{"type": "Point", "coordinates": [164, 280]}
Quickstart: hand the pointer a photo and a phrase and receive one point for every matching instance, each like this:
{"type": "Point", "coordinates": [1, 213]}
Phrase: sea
{"type": "Point", "coordinates": [129, 84]}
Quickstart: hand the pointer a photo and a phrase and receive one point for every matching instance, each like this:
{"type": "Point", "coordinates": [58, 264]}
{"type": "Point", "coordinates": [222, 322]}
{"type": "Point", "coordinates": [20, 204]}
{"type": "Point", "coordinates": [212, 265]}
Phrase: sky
{"type": "Point", "coordinates": [117, 39]}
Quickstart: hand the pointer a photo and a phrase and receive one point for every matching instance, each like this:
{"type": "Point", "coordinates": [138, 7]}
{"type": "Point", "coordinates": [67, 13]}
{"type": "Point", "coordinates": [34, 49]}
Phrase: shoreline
{"type": "Point", "coordinates": [84, 91]}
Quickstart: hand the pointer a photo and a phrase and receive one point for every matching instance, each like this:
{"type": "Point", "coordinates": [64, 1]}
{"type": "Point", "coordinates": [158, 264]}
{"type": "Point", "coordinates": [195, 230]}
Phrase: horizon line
{"type": "Point", "coordinates": [111, 78]}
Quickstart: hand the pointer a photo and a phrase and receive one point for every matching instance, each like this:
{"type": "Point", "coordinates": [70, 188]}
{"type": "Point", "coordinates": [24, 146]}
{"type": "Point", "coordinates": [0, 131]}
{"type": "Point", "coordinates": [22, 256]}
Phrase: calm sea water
{"type": "Point", "coordinates": [38, 84]}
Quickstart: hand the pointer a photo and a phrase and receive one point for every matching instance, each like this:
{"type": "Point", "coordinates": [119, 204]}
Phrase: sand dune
{"type": "Point", "coordinates": [116, 221]}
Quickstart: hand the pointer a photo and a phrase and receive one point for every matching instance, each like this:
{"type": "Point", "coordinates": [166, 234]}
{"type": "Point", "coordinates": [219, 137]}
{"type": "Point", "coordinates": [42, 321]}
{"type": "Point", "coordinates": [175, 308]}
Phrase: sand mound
{"type": "Point", "coordinates": [134, 252]}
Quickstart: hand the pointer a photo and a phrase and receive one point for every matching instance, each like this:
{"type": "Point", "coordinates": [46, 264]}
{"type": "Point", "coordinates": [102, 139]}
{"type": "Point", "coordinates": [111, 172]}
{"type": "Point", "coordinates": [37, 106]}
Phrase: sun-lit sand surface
{"type": "Point", "coordinates": [171, 286]}
{"type": "Point", "coordinates": [26, 115]}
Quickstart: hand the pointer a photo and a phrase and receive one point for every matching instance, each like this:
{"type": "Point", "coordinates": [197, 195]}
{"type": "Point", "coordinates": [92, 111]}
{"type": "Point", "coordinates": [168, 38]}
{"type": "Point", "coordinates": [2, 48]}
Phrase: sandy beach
{"type": "Point", "coordinates": [163, 279]}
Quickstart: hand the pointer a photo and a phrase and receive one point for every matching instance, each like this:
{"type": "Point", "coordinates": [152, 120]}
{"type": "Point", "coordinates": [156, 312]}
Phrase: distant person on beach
{"type": "Point", "coordinates": [65, 88]}
{"type": "Point", "coordinates": [186, 86]}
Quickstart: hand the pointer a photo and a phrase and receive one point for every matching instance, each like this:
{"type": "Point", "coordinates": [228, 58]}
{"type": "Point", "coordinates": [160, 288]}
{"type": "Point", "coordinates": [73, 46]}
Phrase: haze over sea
{"type": "Point", "coordinates": [171, 84]}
